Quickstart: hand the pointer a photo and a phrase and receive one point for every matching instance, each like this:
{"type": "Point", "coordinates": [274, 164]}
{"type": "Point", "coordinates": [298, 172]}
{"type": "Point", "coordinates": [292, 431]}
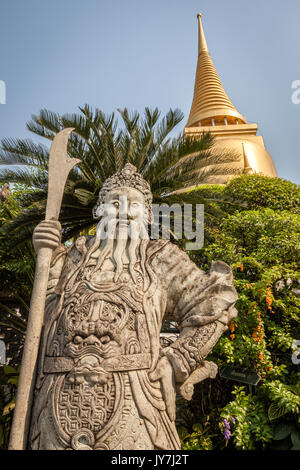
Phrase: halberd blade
{"type": "Point", "coordinates": [59, 168]}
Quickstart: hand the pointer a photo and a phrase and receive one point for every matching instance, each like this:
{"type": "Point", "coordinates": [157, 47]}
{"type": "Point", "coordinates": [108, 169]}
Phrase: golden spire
{"type": "Point", "coordinates": [202, 45]}
{"type": "Point", "coordinates": [211, 105]}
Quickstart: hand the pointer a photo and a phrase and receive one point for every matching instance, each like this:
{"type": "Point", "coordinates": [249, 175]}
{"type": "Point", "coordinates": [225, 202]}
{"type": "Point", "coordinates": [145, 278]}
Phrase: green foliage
{"type": "Point", "coordinates": [284, 398]}
{"type": "Point", "coordinates": [199, 439]}
{"type": "Point", "coordinates": [195, 436]}
{"type": "Point", "coordinates": [257, 191]}
{"type": "Point", "coordinates": [9, 380]}
{"type": "Point", "coordinates": [269, 236]}
{"type": "Point", "coordinates": [259, 237]}
{"type": "Point", "coordinates": [16, 271]}
{"type": "Point", "coordinates": [251, 429]}
{"type": "Point", "coordinates": [16, 266]}
{"type": "Point", "coordinates": [286, 436]}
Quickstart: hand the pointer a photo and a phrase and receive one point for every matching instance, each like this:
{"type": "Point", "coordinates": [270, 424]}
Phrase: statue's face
{"type": "Point", "coordinates": [123, 220]}
{"type": "Point", "coordinates": [125, 203]}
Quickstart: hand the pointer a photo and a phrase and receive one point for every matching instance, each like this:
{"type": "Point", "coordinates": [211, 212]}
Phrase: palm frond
{"type": "Point", "coordinates": [47, 124]}
{"type": "Point", "coordinates": [38, 179]}
{"type": "Point", "coordinates": [23, 152]}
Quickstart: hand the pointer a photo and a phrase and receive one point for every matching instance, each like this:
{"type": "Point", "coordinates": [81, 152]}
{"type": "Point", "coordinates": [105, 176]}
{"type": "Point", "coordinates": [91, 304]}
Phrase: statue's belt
{"type": "Point", "coordinates": [122, 363]}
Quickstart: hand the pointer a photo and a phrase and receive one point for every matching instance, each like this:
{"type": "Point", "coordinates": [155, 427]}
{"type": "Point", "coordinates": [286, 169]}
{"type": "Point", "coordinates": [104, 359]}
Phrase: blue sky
{"type": "Point", "coordinates": [61, 54]}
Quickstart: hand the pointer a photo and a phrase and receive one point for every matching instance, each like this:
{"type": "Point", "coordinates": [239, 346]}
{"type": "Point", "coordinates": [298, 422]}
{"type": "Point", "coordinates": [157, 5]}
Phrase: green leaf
{"type": "Point", "coordinates": [13, 380]}
{"type": "Point", "coordinates": [197, 427]}
{"type": "Point", "coordinates": [275, 411]}
{"type": "Point", "coordinates": [281, 431]}
{"type": "Point", "coordinates": [8, 370]}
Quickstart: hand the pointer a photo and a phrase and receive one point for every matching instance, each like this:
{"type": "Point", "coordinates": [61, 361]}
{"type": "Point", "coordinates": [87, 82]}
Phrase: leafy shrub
{"type": "Point", "coordinates": [251, 427]}
{"type": "Point", "coordinates": [255, 191]}
{"type": "Point", "coordinates": [259, 237]}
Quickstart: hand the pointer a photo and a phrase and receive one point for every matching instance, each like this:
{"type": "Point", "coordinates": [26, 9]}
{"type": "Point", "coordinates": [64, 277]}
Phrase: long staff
{"type": "Point", "coordinates": [59, 168]}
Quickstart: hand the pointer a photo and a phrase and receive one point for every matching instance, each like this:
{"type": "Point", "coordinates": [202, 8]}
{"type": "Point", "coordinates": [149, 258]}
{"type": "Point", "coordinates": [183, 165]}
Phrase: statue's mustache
{"type": "Point", "coordinates": [119, 227]}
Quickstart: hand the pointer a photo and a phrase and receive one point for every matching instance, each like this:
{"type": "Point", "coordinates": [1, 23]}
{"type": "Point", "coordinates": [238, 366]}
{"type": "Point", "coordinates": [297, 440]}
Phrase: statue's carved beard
{"type": "Point", "coordinates": [114, 237]}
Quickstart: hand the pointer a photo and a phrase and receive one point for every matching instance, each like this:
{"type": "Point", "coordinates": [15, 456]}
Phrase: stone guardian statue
{"type": "Point", "coordinates": [104, 381]}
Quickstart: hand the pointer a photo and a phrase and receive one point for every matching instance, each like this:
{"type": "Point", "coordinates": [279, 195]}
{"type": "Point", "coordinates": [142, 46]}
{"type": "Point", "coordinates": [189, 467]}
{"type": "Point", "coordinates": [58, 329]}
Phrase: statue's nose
{"type": "Point", "coordinates": [123, 206]}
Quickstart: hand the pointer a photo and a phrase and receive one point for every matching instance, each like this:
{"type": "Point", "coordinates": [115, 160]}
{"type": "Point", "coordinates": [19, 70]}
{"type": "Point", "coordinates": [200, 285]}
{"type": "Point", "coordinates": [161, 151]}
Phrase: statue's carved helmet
{"type": "Point", "coordinates": [128, 177]}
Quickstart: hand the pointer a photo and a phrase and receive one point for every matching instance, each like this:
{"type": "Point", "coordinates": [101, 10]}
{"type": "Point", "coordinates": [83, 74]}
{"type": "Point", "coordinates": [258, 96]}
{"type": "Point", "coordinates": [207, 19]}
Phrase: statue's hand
{"type": "Point", "coordinates": [228, 315]}
{"type": "Point", "coordinates": [164, 372]}
{"type": "Point", "coordinates": [47, 234]}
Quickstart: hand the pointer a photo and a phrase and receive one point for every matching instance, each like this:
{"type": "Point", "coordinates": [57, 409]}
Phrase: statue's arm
{"type": "Point", "coordinates": [48, 234]}
{"type": "Point", "coordinates": [203, 305]}
{"type": "Point", "coordinates": [57, 263]}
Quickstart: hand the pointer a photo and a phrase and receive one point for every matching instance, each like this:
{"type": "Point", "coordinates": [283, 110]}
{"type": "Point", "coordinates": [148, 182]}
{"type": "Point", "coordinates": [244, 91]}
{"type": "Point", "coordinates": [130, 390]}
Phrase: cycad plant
{"type": "Point", "coordinates": [104, 146]}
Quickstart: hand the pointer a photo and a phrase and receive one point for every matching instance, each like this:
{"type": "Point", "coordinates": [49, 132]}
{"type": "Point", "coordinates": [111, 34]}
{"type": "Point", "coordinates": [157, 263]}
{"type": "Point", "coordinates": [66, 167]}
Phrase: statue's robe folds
{"type": "Point", "coordinates": [101, 341]}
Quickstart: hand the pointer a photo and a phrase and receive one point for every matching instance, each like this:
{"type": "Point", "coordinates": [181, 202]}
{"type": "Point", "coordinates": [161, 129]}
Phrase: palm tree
{"type": "Point", "coordinates": [104, 147]}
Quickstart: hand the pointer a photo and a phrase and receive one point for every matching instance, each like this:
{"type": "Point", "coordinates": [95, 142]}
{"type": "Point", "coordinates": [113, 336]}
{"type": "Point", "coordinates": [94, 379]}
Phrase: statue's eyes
{"type": "Point", "coordinates": [116, 203]}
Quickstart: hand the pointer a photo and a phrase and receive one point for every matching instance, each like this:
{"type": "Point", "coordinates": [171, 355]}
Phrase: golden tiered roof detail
{"type": "Point", "coordinates": [210, 100]}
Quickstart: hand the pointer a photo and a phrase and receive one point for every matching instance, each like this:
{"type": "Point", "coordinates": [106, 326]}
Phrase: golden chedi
{"type": "Point", "coordinates": [212, 111]}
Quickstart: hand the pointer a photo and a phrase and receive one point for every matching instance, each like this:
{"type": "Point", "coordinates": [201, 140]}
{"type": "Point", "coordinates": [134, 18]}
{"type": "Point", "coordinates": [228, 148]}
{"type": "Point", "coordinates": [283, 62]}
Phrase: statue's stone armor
{"type": "Point", "coordinates": [105, 332]}
{"type": "Point", "coordinates": [101, 340]}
